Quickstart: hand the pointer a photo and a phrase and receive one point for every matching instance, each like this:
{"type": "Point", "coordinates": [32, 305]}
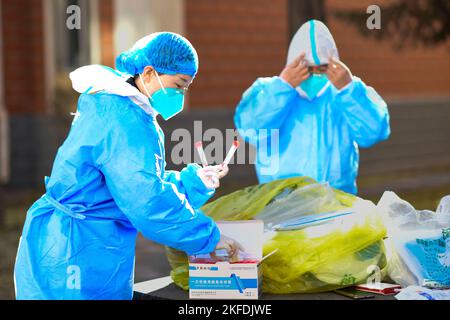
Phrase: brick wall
{"type": "Point", "coordinates": [34, 134]}
{"type": "Point", "coordinates": [23, 56]}
{"type": "Point", "coordinates": [106, 17]}
{"type": "Point", "coordinates": [408, 72]}
{"type": "Point", "coordinates": [237, 41]}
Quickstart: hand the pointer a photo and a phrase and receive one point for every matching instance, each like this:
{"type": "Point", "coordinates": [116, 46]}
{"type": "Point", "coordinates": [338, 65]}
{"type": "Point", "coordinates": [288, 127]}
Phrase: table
{"type": "Point", "coordinates": [164, 289]}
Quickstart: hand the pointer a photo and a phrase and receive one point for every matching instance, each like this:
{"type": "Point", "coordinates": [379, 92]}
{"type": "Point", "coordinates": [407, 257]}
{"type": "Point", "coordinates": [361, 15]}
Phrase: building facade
{"type": "Point", "coordinates": [237, 41]}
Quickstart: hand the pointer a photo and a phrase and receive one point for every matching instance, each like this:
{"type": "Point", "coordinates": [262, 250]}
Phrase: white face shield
{"type": "Point", "coordinates": [315, 40]}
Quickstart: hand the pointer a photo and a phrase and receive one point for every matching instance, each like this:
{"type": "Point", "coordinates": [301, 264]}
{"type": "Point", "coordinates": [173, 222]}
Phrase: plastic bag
{"type": "Point", "coordinates": [421, 293]}
{"type": "Point", "coordinates": [338, 253]}
{"type": "Point", "coordinates": [418, 243]}
{"type": "Point", "coordinates": [292, 203]}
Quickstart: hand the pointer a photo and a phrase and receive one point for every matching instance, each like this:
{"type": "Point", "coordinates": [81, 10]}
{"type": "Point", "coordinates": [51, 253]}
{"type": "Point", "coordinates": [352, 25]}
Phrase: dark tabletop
{"type": "Point", "coordinates": [173, 292]}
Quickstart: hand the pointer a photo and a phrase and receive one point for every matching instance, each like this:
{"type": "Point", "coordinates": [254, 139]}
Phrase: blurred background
{"type": "Point", "coordinates": [406, 61]}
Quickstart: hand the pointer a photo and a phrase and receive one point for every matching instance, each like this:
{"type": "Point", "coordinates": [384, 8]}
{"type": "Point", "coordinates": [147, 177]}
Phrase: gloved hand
{"type": "Point", "coordinates": [211, 175]}
{"type": "Point", "coordinates": [338, 74]}
{"type": "Point", "coordinates": [230, 245]}
{"type": "Point", "coordinates": [296, 72]}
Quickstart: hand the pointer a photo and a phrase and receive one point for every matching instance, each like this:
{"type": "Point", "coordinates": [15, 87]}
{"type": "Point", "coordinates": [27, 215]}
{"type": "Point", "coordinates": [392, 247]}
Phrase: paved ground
{"type": "Point", "coordinates": [151, 261]}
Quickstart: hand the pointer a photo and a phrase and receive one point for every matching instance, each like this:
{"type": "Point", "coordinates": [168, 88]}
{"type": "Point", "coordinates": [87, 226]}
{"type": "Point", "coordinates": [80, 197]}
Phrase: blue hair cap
{"type": "Point", "coordinates": [166, 52]}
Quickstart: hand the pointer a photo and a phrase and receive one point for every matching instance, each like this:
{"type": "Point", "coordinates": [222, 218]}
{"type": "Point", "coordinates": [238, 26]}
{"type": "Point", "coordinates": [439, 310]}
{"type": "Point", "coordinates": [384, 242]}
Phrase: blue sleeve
{"type": "Point", "coordinates": [188, 182]}
{"type": "Point", "coordinates": [132, 165]}
{"type": "Point", "coordinates": [365, 112]}
{"type": "Point", "coordinates": [265, 105]}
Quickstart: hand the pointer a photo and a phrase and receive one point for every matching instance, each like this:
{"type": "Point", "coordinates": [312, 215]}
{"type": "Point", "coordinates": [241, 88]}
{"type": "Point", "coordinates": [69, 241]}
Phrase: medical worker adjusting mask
{"type": "Point", "coordinates": [313, 61]}
{"type": "Point", "coordinates": [312, 118]}
{"type": "Point", "coordinates": [109, 181]}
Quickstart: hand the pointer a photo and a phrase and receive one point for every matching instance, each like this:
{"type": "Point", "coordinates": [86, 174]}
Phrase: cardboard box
{"type": "Point", "coordinates": [224, 279]}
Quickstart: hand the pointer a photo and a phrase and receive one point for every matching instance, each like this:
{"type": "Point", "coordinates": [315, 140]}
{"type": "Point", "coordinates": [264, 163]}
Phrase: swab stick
{"type": "Point", "coordinates": [201, 153]}
{"type": "Point", "coordinates": [231, 152]}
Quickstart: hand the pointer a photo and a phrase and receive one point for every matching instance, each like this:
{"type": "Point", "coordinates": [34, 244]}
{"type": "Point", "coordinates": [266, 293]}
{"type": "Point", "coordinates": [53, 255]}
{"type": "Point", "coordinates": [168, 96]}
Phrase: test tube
{"type": "Point", "coordinates": [231, 152]}
{"type": "Point", "coordinates": [201, 153]}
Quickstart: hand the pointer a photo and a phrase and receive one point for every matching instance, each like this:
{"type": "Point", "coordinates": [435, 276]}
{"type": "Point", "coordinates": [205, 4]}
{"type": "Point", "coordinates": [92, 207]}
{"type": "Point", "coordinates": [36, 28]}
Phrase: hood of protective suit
{"type": "Point", "coordinates": [93, 78]}
{"type": "Point", "coordinates": [315, 40]}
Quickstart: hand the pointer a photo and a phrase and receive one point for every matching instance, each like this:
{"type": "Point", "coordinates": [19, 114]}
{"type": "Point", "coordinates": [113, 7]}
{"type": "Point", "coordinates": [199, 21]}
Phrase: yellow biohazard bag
{"type": "Point", "coordinates": [324, 255]}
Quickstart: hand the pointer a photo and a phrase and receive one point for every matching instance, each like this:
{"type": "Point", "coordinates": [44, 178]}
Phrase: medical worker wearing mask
{"type": "Point", "coordinates": [108, 181]}
{"type": "Point", "coordinates": [322, 112]}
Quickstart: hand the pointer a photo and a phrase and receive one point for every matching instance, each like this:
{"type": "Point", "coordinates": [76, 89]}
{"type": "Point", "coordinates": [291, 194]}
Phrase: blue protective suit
{"type": "Point", "coordinates": [108, 182]}
{"type": "Point", "coordinates": [316, 137]}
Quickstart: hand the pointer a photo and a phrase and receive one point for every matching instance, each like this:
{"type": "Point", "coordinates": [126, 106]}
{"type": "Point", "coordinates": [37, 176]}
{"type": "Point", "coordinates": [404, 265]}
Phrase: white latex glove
{"type": "Point", "coordinates": [230, 245]}
{"type": "Point", "coordinates": [211, 175]}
